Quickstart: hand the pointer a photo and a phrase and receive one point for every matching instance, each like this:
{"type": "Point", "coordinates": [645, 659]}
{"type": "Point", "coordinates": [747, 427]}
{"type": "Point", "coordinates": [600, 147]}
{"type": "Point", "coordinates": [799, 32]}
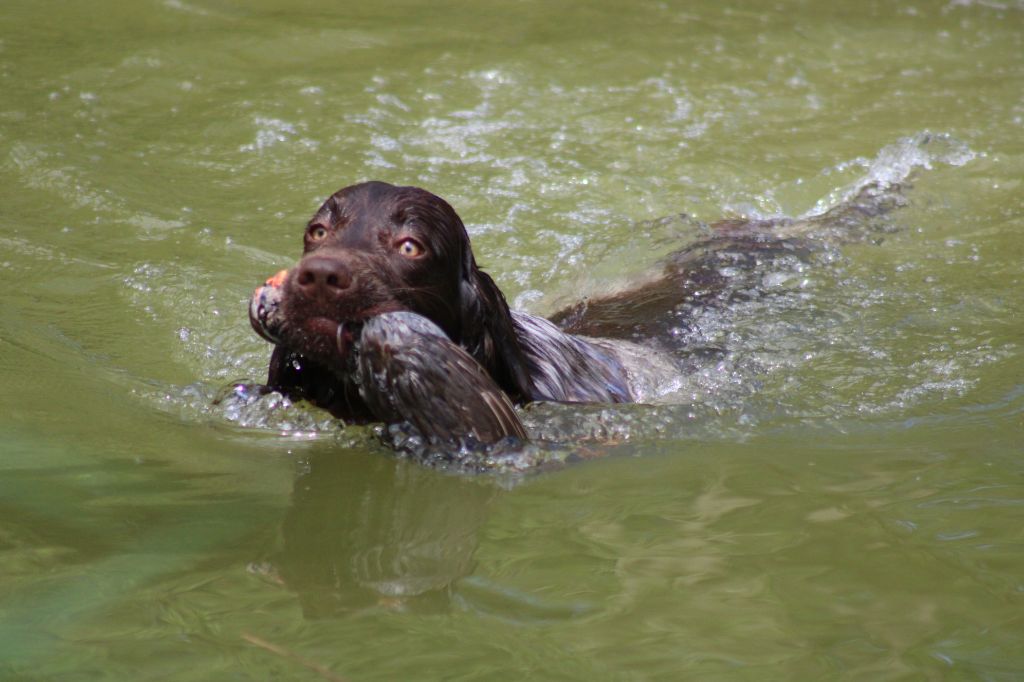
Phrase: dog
{"type": "Point", "coordinates": [388, 317]}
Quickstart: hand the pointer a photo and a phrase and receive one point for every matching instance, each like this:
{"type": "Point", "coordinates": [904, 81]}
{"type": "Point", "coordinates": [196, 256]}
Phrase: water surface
{"type": "Point", "coordinates": [835, 492]}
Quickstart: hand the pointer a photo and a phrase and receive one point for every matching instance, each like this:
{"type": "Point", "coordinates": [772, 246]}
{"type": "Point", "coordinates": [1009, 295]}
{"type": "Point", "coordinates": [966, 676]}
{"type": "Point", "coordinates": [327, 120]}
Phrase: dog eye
{"type": "Point", "coordinates": [317, 232]}
{"type": "Point", "coordinates": [410, 248]}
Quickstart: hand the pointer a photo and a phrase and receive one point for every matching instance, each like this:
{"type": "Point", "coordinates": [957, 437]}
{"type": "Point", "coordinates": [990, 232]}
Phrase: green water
{"type": "Point", "coordinates": [841, 497]}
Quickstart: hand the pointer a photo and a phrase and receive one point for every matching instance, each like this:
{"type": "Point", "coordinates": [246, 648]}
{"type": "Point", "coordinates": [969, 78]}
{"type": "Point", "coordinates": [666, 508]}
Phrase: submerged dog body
{"type": "Point", "coordinates": [374, 249]}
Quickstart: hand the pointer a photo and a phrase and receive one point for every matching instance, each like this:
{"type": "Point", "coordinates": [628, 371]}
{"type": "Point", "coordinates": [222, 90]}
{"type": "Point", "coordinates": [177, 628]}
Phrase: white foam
{"type": "Point", "coordinates": [895, 162]}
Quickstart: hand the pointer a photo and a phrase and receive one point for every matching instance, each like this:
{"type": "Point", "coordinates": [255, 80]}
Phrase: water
{"type": "Point", "coordinates": [836, 491]}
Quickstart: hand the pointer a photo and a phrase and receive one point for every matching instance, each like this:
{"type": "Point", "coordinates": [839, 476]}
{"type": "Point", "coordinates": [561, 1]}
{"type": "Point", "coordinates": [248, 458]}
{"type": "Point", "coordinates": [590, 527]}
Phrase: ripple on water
{"type": "Point", "coordinates": [272, 131]}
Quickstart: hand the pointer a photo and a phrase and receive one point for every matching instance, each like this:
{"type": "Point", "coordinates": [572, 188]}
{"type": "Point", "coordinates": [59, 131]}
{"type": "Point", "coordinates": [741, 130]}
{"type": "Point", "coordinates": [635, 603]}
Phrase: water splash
{"type": "Point", "coordinates": [894, 163]}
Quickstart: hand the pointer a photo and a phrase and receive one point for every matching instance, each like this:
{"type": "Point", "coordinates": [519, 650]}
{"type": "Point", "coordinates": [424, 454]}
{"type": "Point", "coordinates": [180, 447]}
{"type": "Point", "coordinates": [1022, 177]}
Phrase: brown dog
{"type": "Point", "coordinates": [444, 351]}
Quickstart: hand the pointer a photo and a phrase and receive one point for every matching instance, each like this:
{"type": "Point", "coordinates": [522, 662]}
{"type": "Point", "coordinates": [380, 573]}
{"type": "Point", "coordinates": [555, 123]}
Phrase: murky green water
{"type": "Point", "coordinates": [840, 497]}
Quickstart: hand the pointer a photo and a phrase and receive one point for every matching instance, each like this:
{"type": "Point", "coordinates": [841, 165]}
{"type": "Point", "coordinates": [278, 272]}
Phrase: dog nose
{"type": "Point", "coordinates": [322, 276]}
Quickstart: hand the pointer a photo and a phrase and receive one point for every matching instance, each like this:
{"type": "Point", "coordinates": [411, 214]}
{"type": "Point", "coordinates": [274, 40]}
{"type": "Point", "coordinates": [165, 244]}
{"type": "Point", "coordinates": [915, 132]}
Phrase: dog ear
{"type": "Point", "coordinates": [488, 332]}
{"type": "Point", "coordinates": [485, 323]}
